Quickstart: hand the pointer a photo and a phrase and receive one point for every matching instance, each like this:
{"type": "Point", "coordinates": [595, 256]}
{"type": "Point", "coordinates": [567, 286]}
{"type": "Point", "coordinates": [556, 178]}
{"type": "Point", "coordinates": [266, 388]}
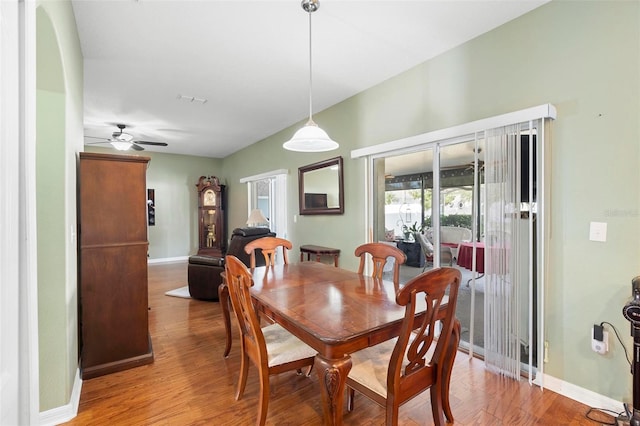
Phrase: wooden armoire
{"type": "Point", "coordinates": [113, 245]}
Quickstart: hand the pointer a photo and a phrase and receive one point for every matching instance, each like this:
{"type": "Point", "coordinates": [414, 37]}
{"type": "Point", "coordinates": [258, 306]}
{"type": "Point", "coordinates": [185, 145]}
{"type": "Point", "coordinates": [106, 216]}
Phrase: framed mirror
{"type": "Point", "coordinates": [321, 188]}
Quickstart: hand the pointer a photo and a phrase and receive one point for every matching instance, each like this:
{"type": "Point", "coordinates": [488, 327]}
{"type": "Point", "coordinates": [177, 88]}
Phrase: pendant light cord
{"type": "Point", "coordinates": [310, 138]}
{"type": "Point", "coordinates": [310, 70]}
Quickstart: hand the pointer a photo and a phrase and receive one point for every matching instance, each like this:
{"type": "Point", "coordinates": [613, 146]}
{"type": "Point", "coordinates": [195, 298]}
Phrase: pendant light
{"type": "Point", "coordinates": [310, 138]}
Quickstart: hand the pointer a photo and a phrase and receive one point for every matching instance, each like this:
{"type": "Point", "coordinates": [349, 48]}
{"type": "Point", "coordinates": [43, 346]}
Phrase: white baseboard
{"type": "Point", "coordinates": [582, 395]}
{"type": "Point", "coordinates": [67, 412]}
{"type": "Point", "coordinates": [168, 260]}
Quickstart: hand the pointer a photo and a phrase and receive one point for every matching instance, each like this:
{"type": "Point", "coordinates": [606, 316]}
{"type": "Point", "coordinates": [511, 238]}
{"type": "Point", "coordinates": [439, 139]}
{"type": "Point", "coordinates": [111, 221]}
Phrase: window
{"type": "Point", "coordinates": [267, 192]}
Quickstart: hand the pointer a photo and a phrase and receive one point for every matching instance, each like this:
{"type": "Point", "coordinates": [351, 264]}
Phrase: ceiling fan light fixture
{"type": "Point", "coordinates": [310, 138]}
{"type": "Point", "coordinates": [120, 145]}
{"type": "Point", "coordinates": [122, 137]}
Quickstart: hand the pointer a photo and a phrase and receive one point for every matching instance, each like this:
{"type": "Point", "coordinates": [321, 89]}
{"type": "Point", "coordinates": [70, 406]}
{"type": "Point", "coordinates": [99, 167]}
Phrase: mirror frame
{"type": "Point", "coordinates": [337, 161]}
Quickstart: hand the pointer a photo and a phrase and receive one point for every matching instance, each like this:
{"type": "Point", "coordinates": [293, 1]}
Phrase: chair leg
{"type": "Point", "coordinates": [242, 379]}
{"type": "Point", "coordinates": [308, 373]}
{"type": "Point", "coordinates": [447, 368]}
{"type": "Point", "coordinates": [263, 404]}
{"type": "Point", "coordinates": [351, 394]}
{"type": "Point", "coordinates": [392, 414]}
{"type": "Point", "coordinates": [436, 404]}
{"type": "Point", "coordinates": [223, 297]}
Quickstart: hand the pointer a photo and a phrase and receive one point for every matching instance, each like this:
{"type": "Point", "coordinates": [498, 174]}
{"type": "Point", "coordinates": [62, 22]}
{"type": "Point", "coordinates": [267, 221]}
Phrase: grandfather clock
{"type": "Point", "coordinates": [211, 225]}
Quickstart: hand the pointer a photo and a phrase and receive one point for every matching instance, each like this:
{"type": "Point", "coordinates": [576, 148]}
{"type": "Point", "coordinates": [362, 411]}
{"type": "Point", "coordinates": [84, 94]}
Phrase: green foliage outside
{"type": "Point", "coordinates": [412, 229]}
{"type": "Point", "coordinates": [390, 198]}
{"type": "Point", "coordinates": [462, 220]}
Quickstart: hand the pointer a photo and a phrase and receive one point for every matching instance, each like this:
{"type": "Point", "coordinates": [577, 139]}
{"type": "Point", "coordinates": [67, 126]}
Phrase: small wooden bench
{"type": "Point", "coordinates": [319, 251]}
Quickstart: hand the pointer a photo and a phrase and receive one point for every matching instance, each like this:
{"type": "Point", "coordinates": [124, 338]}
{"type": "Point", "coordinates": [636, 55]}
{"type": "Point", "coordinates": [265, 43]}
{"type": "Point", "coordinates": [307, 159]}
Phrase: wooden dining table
{"type": "Point", "coordinates": [336, 312]}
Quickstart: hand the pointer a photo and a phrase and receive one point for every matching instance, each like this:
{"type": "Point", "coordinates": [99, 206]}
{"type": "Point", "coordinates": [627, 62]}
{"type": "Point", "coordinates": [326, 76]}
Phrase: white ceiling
{"type": "Point", "coordinates": [250, 61]}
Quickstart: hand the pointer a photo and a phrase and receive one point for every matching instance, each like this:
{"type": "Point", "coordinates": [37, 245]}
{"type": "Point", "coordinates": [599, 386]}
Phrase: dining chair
{"type": "Point", "coordinates": [395, 371]}
{"type": "Point", "coordinates": [269, 247]}
{"type": "Point", "coordinates": [272, 349]}
{"type": "Point", "coordinates": [380, 252]}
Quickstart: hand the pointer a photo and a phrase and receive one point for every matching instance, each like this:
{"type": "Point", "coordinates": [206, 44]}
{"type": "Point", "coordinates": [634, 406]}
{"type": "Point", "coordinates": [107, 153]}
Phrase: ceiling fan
{"type": "Point", "coordinates": [123, 141]}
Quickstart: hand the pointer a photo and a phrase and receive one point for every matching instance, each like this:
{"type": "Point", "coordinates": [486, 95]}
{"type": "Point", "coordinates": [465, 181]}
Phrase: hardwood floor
{"type": "Point", "coordinates": [190, 383]}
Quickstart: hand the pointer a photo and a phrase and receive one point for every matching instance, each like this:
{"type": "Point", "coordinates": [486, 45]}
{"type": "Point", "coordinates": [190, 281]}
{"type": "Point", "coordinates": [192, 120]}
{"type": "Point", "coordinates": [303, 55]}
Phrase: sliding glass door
{"type": "Point", "coordinates": [461, 201]}
{"type": "Point", "coordinates": [428, 203]}
{"type": "Point", "coordinates": [477, 194]}
{"type": "Point", "coordinates": [470, 204]}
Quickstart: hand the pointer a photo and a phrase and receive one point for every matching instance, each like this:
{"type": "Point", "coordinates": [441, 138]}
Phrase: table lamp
{"type": "Point", "coordinates": [257, 219]}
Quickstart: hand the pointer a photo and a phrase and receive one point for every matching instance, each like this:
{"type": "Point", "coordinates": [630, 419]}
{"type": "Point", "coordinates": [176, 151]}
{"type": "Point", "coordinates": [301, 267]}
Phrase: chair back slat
{"type": "Point", "coordinates": [269, 247]}
{"type": "Point", "coordinates": [380, 252]}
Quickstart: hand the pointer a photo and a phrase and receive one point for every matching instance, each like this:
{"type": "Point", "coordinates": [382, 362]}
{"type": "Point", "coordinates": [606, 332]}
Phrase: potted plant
{"type": "Point", "coordinates": [410, 231]}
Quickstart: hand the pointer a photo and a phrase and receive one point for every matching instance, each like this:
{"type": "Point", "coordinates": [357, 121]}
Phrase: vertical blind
{"type": "Point", "coordinates": [510, 244]}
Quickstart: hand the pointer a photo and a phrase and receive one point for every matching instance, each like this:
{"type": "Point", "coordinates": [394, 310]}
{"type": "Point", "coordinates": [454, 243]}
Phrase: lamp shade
{"type": "Point", "coordinates": [310, 138]}
{"type": "Point", "coordinates": [256, 218]}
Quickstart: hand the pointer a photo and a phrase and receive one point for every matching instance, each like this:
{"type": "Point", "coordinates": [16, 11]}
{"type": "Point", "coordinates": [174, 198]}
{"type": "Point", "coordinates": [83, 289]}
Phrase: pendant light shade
{"type": "Point", "coordinates": [310, 138]}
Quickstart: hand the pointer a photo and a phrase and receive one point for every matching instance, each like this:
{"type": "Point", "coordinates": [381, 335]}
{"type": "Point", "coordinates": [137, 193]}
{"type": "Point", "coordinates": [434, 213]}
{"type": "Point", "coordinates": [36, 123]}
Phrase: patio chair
{"type": "Point", "coordinates": [427, 248]}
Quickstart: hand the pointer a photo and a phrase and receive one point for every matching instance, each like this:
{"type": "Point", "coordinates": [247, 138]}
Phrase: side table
{"type": "Point", "coordinates": [319, 251]}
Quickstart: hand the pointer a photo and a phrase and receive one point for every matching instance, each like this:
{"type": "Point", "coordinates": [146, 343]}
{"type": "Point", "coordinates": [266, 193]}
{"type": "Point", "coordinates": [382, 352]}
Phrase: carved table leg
{"type": "Point", "coordinates": [452, 350]}
{"type": "Point", "coordinates": [332, 377]}
{"type": "Point", "coordinates": [223, 296]}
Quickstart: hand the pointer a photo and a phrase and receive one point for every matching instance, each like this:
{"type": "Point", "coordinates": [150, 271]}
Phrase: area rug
{"type": "Point", "coordinates": [180, 292]}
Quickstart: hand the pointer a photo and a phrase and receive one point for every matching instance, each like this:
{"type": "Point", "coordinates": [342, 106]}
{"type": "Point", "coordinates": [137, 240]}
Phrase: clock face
{"type": "Point", "coordinates": [209, 198]}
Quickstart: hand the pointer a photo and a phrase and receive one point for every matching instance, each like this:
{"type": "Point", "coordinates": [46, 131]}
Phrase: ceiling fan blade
{"type": "Point", "coordinates": [151, 143]}
{"type": "Point", "coordinates": [95, 143]}
{"type": "Point", "coordinates": [136, 147]}
{"type": "Point", "coordinates": [95, 137]}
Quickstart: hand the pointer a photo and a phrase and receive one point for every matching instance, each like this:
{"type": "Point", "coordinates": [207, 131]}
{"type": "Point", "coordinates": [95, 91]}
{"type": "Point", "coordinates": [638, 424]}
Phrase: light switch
{"type": "Point", "coordinates": [598, 231]}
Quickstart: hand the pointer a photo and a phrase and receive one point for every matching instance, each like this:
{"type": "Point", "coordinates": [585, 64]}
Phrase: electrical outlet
{"type": "Point", "coordinates": [598, 231]}
{"type": "Point", "coordinates": [599, 346]}
{"type": "Point", "coordinates": [546, 351]}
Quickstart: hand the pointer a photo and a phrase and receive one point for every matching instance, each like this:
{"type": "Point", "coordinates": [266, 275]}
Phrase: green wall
{"type": "Point", "coordinates": [583, 57]}
{"type": "Point", "coordinates": [51, 260]}
{"type": "Point", "coordinates": [59, 94]}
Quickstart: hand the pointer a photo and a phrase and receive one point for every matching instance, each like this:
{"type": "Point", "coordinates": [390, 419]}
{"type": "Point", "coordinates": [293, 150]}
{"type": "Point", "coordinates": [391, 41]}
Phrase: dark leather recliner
{"type": "Point", "coordinates": [203, 273]}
